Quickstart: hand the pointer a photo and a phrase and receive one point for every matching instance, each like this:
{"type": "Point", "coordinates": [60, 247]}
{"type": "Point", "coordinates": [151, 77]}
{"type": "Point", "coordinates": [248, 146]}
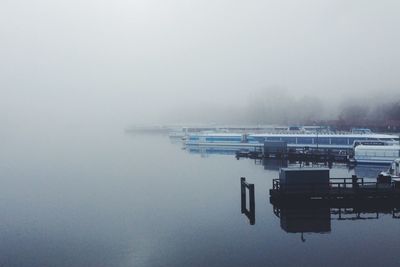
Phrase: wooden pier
{"type": "Point", "coordinates": [313, 155]}
{"type": "Point", "coordinates": [338, 189]}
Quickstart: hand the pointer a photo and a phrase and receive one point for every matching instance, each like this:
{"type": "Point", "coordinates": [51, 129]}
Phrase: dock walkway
{"type": "Point", "coordinates": [336, 189]}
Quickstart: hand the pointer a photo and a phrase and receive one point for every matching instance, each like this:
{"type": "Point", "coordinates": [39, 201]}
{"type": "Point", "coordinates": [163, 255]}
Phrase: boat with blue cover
{"type": "Point", "coordinates": [293, 140]}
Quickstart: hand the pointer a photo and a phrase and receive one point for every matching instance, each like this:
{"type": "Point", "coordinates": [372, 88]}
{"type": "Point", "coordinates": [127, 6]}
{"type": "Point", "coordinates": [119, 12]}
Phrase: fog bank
{"type": "Point", "coordinates": [71, 64]}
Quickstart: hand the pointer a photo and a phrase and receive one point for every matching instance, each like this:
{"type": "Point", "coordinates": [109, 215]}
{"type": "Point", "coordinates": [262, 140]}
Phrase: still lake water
{"type": "Point", "coordinates": [115, 199]}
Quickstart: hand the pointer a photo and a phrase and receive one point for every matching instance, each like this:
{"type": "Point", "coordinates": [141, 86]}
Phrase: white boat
{"type": "Point", "coordinates": [394, 170]}
{"type": "Point", "coordinates": [293, 139]}
{"type": "Point", "coordinates": [376, 154]}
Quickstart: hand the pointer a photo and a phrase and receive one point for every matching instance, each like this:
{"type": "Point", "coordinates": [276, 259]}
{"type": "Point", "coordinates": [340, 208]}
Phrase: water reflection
{"type": "Point", "coordinates": [274, 164]}
{"type": "Point", "coordinates": [371, 171]}
{"type": "Point", "coordinates": [304, 220]}
{"type": "Point", "coordinates": [206, 151]}
{"type": "Point", "coordinates": [316, 218]}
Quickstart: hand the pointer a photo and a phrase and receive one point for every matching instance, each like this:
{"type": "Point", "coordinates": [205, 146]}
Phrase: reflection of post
{"type": "Point", "coordinates": [252, 204]}
{"type": "Point", "coordinates": [354, 182]}
{"type": "Point", "coordinates": [251, 212]}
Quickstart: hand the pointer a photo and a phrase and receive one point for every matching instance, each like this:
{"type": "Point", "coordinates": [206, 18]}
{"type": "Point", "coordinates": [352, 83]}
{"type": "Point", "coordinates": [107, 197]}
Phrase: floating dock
{"type": "Point", "coordinates": [315, 185]}
{"type": "Point", "coordinates": [298, 155]}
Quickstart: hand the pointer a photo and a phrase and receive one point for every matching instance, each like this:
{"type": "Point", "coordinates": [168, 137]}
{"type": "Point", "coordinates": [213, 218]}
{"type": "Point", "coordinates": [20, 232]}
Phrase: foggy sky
{"type": "Point", "coordinates": [82, 63]}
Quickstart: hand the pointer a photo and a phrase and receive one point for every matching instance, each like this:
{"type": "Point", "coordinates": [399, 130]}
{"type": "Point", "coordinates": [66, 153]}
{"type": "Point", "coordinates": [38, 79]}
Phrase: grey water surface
{"type": "Point", "coordinates": [117, 199]}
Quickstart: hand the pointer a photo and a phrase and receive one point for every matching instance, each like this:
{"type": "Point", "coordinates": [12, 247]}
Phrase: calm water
{"type": "Point", "coordinates": [113, 199]}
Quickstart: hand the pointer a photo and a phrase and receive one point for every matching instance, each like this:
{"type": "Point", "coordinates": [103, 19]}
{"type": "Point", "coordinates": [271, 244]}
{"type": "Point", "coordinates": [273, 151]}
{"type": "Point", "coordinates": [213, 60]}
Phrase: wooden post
{"type": "Point", "coordinates": [354, 181]}
{"type": "Point", "coordinates": [251, 212]}
{"type": "Point", "coordinates": [243, 194]}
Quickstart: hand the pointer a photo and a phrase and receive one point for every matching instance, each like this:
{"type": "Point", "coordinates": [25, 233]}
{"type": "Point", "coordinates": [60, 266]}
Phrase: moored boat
{"type": "Point", "coordinates": [376, 154]}
{"type": "Point", "coordinates": [394, 170]}
{"type": "Point", "coordinates": [293, 140]}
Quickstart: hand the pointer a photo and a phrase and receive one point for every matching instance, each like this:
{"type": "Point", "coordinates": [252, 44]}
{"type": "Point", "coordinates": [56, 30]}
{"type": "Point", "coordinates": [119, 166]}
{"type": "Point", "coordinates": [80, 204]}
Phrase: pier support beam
{"type": "Point", "coordinates": [251, 212]}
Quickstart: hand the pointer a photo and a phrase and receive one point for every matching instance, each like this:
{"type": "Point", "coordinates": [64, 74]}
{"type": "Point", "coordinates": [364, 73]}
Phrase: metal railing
{"type": "Point", "coordinates": [335, 185]}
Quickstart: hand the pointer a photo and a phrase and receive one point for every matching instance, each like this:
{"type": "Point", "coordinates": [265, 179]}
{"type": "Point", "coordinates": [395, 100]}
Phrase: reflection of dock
{"type": "Point", "coordinates": [307, 200]}
{"type": "Point", "coordinates": [314, 211]}
{"type": "Point", "coordinates": [280, 150]}
{"type": "Point", "coordinates": [344, 210]}
{"type": "Point", "coordinates": [316, 217]}
{"type": "Point", "coordinates": [304, 220]}
{"type": "Point", "coordinates": [310, 216]}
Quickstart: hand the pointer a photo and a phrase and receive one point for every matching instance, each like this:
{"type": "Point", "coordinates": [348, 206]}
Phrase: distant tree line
{"type": "Point", "coordinates": [277, 106]}
{"type": "Point", "coordinates": [381, 117]}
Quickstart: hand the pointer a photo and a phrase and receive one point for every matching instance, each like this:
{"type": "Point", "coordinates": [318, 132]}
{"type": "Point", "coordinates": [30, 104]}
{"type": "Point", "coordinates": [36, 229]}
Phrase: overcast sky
{"type": "Point", "coordinates": [83, 62]}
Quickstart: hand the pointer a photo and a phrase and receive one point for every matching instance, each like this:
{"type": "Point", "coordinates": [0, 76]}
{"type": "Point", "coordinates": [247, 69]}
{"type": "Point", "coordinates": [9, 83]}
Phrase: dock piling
{"type": "Point", "coordinates": [250, 213]}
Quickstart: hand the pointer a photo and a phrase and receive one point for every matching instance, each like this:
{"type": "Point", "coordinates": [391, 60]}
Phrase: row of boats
{"type": "Point", "coordinates": [366, 146]}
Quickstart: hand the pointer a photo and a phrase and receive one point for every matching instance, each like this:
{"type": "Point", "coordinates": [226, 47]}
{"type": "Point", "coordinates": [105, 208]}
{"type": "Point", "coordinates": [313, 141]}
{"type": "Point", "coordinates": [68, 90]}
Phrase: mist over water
{"type": "Point", "coordinates": [78, 191]}
{"type": "Point", "coordinates": [102, 63]}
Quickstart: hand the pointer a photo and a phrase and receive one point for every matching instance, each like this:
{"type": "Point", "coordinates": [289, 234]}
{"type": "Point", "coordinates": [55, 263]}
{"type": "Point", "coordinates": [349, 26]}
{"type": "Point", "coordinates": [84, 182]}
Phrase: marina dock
{"type": "Point", "coordinates": [310, 184]}
{"type": "Point", "coordinates": [340, 189]}
{"type": "Point", "coordinates": [355, 147]}
{"type": "Point", "coordinates": [307, 155]}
